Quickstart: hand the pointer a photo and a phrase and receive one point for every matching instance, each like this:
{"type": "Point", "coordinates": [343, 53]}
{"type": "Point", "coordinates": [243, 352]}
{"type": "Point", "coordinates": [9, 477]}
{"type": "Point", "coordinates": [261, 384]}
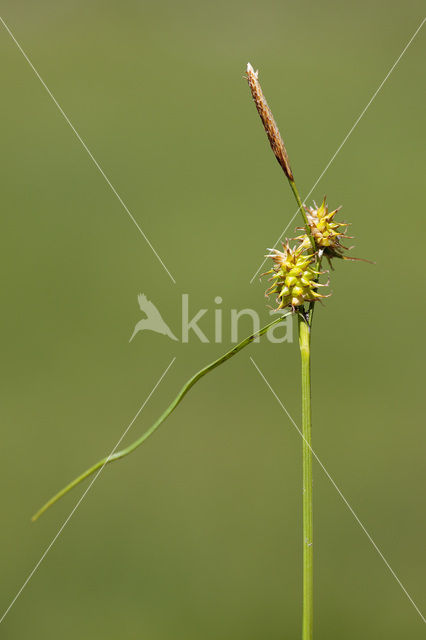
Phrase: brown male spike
{"type": "Point", "coordinates": [272, 131]}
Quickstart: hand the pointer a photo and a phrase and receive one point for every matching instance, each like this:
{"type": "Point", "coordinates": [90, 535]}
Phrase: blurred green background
{"type": "Point", "coordinates": [198, 534]}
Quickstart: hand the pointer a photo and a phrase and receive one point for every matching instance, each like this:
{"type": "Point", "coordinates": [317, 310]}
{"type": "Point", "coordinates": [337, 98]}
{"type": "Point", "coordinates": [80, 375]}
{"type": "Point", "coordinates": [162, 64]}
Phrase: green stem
{"type": "Point", "coordinates": [304, 343]}
{"type": "Point", "coordinates": [311, 239]}
{"type": "Point", "coordinates": [303, 212]}
{"type": "Point", "coordinates": [305, 324]}
{"type": "Point", "coordinates": [182, 393]}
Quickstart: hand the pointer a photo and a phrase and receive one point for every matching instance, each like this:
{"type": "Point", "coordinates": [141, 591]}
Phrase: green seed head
{"type": "Point", "coordinates": [326, 232]}
{"type": "Point", "coordinates": [293, 277]}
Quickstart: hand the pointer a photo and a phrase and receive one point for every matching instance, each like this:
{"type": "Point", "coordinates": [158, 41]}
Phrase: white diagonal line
{"type": "Point", "coordinates": [345, 139]}
{"type": "Point", "coordinates": [90, 154]}
{"type": "Point", "coordinates": [92, 482]}
{"type": "Point", "coordinates": [339, 492]}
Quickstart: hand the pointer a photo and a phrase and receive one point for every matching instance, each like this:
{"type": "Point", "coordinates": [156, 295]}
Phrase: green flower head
{"type": "Point", "coordinates": [326, 232]}
{"type": "Point", "coordinates": [294, 279]}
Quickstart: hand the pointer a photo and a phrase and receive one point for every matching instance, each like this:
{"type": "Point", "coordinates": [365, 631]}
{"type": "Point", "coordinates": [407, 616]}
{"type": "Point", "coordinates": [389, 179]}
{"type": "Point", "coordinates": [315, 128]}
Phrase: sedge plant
{"type": "Point", "coordinates": [295, 282]}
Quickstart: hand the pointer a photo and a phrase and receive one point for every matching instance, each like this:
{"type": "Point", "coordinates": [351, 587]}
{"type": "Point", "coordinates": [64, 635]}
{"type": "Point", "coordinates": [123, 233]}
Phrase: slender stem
{"type": "Point", "coordinates": [117, 455]}
{"type": "Point", "coordinates": [304, 343]}
{"type": "Point", "coordinates": [303, 212]}
{"type": "Point", "coordinates": [311, 239]}
{"type": "Point", "coordinates": [305, 324]}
